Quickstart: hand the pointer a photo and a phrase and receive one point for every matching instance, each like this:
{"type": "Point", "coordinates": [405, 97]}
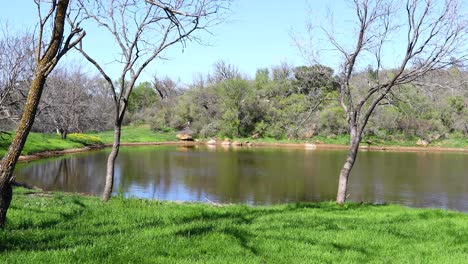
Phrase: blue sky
{"type": "Point", "coordinates": [257, 35]}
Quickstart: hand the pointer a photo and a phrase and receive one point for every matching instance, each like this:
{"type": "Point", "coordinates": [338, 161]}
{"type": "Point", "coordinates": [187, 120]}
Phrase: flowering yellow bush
{"type": "Point", "coordinates": [86, 140]}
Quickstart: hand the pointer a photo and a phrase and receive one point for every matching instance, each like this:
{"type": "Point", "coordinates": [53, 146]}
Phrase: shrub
{"type": "Point", "coordinates": [86, 140]}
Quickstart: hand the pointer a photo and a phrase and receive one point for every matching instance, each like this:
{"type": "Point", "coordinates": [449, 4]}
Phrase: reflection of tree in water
{"type": "Point", "coordinates": [74, 173]}
{"type": "Point", "coordinates": [263, 176]}
{"type": "Point", "coordinates": [259, 175]}
{"type": "Point", "coordinates": [415, 179]}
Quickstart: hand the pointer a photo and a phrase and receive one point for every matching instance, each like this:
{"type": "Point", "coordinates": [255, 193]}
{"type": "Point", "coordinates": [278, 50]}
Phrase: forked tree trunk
{"type": "Point", "coordinates": [355, 139]}
{"type": "Point", "coordinates": [8, 162]}
{"type": "Point", "coordinates": [111, 163]}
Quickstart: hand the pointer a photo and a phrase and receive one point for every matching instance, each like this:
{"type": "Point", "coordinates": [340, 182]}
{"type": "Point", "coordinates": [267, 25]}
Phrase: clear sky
{"type": "Point", "coordinates": [257, 35]}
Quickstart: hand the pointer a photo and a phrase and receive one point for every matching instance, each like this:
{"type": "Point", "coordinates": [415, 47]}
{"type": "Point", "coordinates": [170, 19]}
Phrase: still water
{"type": "Point", "coordinates": [259, 175]}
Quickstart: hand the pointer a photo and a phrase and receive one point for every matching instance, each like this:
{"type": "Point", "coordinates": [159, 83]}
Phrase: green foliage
{"type": "Point", "coordinates": [301, 102]}
{"type": "Point", "coordinates": [87, 140]}
{"type": "Point", "coordinates": [62, 228]}
{"type": "Point", "coordinates": [314, 80]}
{"type": "Point", "coordinates": [142, 96]}
{"type": "Point", "coordinates": [332, 120]}
{"type": "Point", "coordinates": [456, 103]}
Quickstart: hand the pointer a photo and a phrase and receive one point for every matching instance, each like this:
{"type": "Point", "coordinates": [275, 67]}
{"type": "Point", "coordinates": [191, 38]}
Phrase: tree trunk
{"type": "Point", "coordinates": [111, 163]}
{"type": "Point", "coordinates": [63, 133]}
{"type": "Point", "coordinates": [8, 162]}
{"type": "Point", "coordinates": [348, 165]}
{"type": "Point", "coordinates": [5, 199]}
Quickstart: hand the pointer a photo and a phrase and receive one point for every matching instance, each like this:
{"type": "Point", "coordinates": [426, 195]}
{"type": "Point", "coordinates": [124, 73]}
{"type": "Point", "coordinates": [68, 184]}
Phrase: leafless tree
{"type": "Point", "coordinates": [16, 68]}
{"type": "Point", "coordinates": [430, 35]}
{"type": "Point", "coordinates": [142, 31]}
{"type": "Point", "coordinates": [69, 101]}
{"type": "Point", "coordinates": [166, 87]}
{"type": "Point", "coordinates": [47, 55]}
{"type": "Point", "coordinates": [223, 71]}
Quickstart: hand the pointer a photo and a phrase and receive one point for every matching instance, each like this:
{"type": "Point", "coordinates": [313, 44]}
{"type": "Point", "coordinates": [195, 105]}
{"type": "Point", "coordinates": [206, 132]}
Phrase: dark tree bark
{"type": "Point", "coordinates": [45, 63]}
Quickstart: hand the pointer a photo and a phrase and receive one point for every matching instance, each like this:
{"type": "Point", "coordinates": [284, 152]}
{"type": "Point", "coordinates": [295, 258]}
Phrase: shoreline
{"type": "Point", "coordinates": [55, 153]}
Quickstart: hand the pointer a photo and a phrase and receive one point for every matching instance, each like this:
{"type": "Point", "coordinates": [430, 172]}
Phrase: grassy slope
{"type": "Point", "coordinates": [38, 142]}
{"type": "Point", "coordinates": [61, 228]}
{"type": "Point", "coordinates": [137, 134]}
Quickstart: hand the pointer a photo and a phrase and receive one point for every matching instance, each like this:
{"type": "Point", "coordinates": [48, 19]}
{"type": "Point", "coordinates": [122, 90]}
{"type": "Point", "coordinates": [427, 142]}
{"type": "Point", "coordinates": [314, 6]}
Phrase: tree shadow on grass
{"type": "Point", "coordinates": [14, 239]}
{"type": "Point", "coordinates": [242, 236]}
{"type": "Point", "coordinates": [59, 233]}
{"type": "Point", "coordinates": [342, 247]}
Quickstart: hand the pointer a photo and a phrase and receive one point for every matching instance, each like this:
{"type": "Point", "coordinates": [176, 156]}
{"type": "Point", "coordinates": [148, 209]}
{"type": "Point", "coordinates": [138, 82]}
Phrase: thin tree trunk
{"type": "Point", "coordinates": [8, 162]}
{"type": "Point", "coordinates": [111, 163]}
{"type": "Point", "coordinates": [63, 134]}
{"type": "Point", "coordinates": [348, 165]}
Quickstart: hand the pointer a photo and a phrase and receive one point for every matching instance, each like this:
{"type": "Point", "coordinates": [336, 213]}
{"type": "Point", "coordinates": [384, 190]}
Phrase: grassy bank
{"type": "Point", "coordinates": [137, 134]}
{"type": "Point", "coordinates": [62, 228]}
{"type": "Point", "coordinates": [453, 141]}
{"type": "Point", "coordinates": [38, 142]}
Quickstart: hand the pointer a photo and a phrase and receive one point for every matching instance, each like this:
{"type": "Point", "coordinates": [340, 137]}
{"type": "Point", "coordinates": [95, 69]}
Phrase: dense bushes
{"type": "Point", "coordinates": [299, 102]}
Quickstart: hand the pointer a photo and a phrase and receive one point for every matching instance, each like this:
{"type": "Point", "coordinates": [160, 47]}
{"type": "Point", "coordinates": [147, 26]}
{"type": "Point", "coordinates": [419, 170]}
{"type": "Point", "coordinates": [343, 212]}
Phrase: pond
{"type": "Point", "coordinates": [259, 175]}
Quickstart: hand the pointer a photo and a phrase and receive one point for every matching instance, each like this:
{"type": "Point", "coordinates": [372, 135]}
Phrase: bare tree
{"type": "Point", "coordinates": [68, 101]}
{"type": "Point", "coordinates": [166, 87]}
{"type": "Point", "coordinates": [47, 55]}
{"type": "Point", "coordinates": [142, 31]}
{"type": "Point", "coordinates": [16, 68]}
{"type": "Point", "coordinates": [223, 71]}
{"type": "Point", "coordinates": [430, 35]}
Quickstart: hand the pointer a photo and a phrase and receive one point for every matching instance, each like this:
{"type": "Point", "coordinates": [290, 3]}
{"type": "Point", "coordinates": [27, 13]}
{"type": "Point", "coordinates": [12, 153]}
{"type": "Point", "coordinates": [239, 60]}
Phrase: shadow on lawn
{"type": "Point", "coordinates": [81, 225]}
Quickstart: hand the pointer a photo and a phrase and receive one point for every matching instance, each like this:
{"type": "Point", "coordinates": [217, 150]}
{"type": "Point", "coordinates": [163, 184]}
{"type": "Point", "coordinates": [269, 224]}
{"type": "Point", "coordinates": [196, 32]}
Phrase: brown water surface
{"type": "Point", "coordinates": [259, 175]}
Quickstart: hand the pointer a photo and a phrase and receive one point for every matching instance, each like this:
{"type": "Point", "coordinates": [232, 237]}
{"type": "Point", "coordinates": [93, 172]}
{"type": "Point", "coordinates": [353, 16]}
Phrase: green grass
{"type": "Point", "coordinates": [453, 141]}
{"type": "Point", "coordinates": [63, 228]}
{"type": "Point", "coordinates": [137, 134]}
{"type": "Point", "coordinates": [38, 142]}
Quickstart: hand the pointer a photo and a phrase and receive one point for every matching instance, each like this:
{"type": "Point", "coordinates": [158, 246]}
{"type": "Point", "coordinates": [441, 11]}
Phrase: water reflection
{"type": "Point", "coordinates": [260, 175]}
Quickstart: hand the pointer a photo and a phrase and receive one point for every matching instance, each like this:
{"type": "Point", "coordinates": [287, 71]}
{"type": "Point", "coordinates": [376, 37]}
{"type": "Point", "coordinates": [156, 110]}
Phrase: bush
{"type": "Point", "coordinates": [332, 121]}
{"type": "Point", "coordinates": [86, 140]}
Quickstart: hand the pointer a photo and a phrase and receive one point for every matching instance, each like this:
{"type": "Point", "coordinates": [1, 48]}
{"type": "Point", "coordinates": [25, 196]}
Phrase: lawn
{"type": "Point", "coordinates": [64, 228]}
{"type": "Point", "coordinates": [39, 142]}
{"type": "Point", "coordinates": [137, 134]}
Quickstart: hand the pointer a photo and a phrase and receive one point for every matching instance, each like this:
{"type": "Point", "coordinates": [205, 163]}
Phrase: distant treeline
{"type": "Point", "coordinates": [283, 102]}
{"type": "Point", "coordinates": [298, 103]}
